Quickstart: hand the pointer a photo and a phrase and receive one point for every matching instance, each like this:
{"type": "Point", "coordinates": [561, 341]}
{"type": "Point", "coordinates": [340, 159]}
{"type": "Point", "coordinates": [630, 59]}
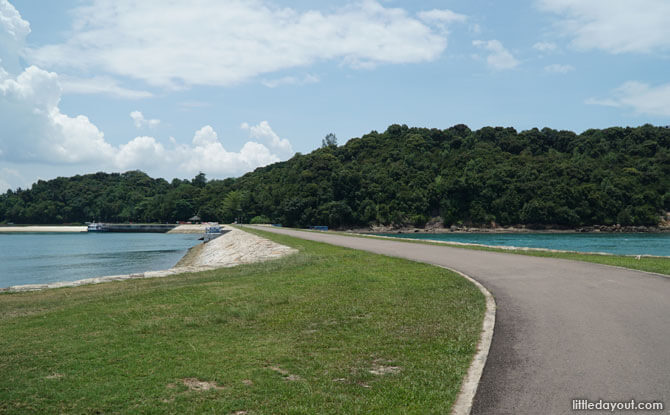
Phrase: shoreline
{"type": "Point", "coordinates": [43, 229]}
{"type": "Point", "coordinates": [507, 230]}
{"type": "Point", "coordinates": [233, 248]}
{"type": "Point", "coordinates": [508, 247]}
{"type": "Point", "coordinates": [428, 229]}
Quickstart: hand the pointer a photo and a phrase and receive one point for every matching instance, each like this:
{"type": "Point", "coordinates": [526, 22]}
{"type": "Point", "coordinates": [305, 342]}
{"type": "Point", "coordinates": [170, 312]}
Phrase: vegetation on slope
{"type": "Point", "coordinates": [401, 176]}
{"type": "Point", "coordinates": [328, 330]}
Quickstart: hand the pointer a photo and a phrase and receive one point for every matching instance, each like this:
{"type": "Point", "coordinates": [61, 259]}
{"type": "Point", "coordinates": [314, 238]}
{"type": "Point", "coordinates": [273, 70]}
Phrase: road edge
{"type": "Point", "coordinates": [466, 396]}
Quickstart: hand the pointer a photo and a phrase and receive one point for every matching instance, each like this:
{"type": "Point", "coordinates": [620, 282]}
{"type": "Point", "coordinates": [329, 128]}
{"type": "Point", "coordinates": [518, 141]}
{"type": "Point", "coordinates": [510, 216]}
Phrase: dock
{"type": "Point", "coordinates": [136, 227]}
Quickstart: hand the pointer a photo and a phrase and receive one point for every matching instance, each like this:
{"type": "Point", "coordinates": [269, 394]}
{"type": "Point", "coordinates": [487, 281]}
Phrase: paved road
{"type": "Point", "coordinates": [564, 329]}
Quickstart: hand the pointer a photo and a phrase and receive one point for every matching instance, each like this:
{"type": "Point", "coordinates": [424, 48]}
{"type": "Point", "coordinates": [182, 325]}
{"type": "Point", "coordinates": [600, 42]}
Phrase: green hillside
{"type": "Point", "coordinates": [401, 176]}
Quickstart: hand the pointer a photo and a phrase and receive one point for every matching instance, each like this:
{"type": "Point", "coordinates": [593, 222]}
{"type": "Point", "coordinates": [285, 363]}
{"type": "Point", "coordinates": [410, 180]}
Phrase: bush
{"type": "Point", "coordinates": [260, 220]}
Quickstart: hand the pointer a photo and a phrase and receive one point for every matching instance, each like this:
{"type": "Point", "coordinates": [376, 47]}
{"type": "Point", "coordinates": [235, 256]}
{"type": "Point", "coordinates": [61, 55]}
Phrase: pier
{"type": "Point", "coordinates": [136, 227]}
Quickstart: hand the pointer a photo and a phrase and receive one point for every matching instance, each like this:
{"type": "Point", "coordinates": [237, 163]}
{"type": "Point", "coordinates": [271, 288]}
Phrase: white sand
{"type": "Point", "coordinates": [43, 229]}
{"type": "Point", "coordinates": [189, 229]}
{"type": "Point", "coordinates": [232, 248]}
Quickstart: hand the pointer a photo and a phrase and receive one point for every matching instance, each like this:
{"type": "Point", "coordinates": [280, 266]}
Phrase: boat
{"type": "Point", "coordinates": [96, 227]}
{"type": "Point", "coordinates": [212, 231]}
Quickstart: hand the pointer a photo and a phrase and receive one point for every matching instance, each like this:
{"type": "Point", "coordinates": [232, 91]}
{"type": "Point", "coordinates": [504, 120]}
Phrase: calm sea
{"type": "Point", "coordinates": [36, 258]}
{"type": "Point", "coordinates": [613, 243]}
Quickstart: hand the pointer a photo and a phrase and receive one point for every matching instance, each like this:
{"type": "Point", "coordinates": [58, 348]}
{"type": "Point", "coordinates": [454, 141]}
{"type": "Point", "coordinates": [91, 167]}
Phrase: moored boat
{"type": "Point", "coordinates": [212, 231]}
{"type": "Point", "coordinates": [96, 227]}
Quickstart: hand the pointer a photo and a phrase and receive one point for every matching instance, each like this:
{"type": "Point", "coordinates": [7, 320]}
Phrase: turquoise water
{"type": "Point", "coordinates": [612, 243]}
{"type": "Point", "coordinates": [37, 258]}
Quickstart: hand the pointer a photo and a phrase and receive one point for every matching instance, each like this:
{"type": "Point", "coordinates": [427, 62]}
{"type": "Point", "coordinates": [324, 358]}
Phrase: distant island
{"type": "Point", "coordinates": [614, 178]}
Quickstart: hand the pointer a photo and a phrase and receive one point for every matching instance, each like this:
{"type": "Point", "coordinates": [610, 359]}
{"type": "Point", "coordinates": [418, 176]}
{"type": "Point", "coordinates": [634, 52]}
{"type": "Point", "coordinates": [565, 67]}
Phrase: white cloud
{"type": "Point", "coordinates": [642, 98]}
{"type": "Point", "coordinates": [499, 57]}
{"type": "Point", "coordinates": [11, 22]}
{"type": "Point", "coordinates": [141, 153]}
{"type": "Point", "coordinates": [291, 80]}
{"type": "Point", "coordinates": [442, 16]}
{"type": "Point", "coordinates": [13, 31]}
{"type": "Point", "coordinates": [616, 26]}
{"type": "Point", "coordinates": [36, 135]}
{"type": "Point", "coordinates": [10, 178]}
{"type": "Point", "coordinates": [207, 154]}
{"type": "Point", "coordinates": [33, 128]}
{"type": "Point", "coordinates": [558, 68]}
{"type": "Point", "coordinates": [99, 85]}
{"type": "Point", "coordinates": [545, 46]}
{"type": "Point", "coordinates": [140, 121]}
{"type": "Point", "coordinates": [228, 42]}
{"type": "Point", "coordinates": [263, 131]}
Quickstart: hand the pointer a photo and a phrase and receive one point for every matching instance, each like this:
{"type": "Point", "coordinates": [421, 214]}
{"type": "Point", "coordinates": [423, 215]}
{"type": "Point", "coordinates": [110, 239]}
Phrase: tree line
{"type": "Point", "coordinates": [403, 176]}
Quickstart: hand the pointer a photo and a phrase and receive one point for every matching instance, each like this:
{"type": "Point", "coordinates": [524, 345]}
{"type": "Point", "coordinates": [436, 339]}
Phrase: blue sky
{"type": "Point", "coordinates": [223, 87]}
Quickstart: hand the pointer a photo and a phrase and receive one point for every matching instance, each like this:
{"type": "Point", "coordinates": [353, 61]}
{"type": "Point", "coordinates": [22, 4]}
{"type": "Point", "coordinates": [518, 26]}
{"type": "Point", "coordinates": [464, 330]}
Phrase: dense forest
{"type": "Point", "coordinates": [403, 176]}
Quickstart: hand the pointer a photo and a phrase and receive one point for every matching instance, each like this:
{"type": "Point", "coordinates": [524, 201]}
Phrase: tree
{"type": "Point", "coordinates": [329, 141]}
{"type": "Point", "coordinates": [401, 176]}
{"type": "Point", "coordinates": [233, 205]}
{"type": "Point", "coordinates": [200, 180]}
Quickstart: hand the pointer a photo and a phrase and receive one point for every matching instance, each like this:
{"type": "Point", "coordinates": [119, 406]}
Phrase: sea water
{"type": "Point", "coordinates": [611, 243]}
{"type": "Point", "coordinates": [38, 258]}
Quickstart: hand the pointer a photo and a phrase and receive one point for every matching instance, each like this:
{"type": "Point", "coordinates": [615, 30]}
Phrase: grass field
{"type": "Point", "coordinates": [327, 330]}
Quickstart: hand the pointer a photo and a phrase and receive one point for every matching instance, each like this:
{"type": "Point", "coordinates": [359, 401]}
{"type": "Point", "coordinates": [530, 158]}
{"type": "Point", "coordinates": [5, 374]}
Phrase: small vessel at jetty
{"type": "Point", "coordinates": [212, 231]}
{"type": "Point", "coordinates": [96, 227]}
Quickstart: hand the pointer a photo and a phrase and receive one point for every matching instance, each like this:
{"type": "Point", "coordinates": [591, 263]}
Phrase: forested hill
{"type": "Point", "coordinates": [402, 176]}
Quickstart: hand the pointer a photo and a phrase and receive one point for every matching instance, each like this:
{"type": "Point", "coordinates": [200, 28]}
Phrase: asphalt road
{"type": "Point", "coordinates": [564, 329]}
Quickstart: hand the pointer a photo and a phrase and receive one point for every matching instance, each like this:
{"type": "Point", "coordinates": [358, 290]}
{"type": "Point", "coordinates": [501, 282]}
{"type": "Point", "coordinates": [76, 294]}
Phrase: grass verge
{"type": "Point", "coordinates": [658, 265]}
{"type": "Point", "coordinates": [328, 330]}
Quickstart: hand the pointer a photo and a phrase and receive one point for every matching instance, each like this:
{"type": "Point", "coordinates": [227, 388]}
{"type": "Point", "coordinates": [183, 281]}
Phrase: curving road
{"type": "Point", "coordinates": [564, 329]}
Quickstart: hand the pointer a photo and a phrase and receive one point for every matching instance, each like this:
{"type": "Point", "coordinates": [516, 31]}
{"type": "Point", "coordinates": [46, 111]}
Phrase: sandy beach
{"type": "Point", "coordinates": [16, 229]}
{"type": "Point", "coordinates": [199, 228]}
{"type": "Point", "coordinates": [233, 248]}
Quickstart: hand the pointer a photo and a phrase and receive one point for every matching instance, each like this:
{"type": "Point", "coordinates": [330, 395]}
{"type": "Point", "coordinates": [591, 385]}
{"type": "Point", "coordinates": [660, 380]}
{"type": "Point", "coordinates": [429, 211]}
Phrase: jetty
{"type": "Point", "coordinates": [134, 227]}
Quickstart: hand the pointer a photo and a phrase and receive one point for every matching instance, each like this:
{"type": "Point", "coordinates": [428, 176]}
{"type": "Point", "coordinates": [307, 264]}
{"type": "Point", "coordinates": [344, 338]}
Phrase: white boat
{"type": "Point", "coordinates": [212, 232]}
{"type": "Point", "coordinates": [96, 227]}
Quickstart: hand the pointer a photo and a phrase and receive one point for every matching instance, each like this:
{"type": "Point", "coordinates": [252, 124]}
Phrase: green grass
{"type": "Point", "coordinates": [298, 335]}
{"type": "Point", "coordinates": [648, 264]}
{"type": "Point", "coordinates": [659, 265]}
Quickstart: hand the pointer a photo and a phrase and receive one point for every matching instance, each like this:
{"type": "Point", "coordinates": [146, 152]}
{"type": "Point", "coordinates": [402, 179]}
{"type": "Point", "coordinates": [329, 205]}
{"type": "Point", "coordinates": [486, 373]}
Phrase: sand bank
{"type": "Point", "coordinates": [233, 248]}
{"type": "Point", "coordinates": [14, 229]}
{"type": "Point", "coordinates": [189, 229]}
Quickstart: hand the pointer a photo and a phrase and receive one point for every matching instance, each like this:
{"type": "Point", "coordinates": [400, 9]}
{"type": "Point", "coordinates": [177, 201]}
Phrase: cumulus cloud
{"type": "Point", "coordinates": [616, 26]}
{"type": "Point", "coordinates": [499, 58]}
{"type": "Point", "coordinates": [558, 68]}
{"type": "Point", "coordinates": [228, 42]}
{"type": "Point", "coordinates": [207, 154]}
{"type": "Point", "coordinates": [263, 131]}
{"type": "Point", "coordinates": [35, 129]}
{"type": "Point", "coordinates": [140, 121]}
{"type": "Point", "coordinates": [13, 31]}
{"type": "Point", "coordinates": [36, 135]}
{"type": "Point", "coordinates": [642, 98]}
